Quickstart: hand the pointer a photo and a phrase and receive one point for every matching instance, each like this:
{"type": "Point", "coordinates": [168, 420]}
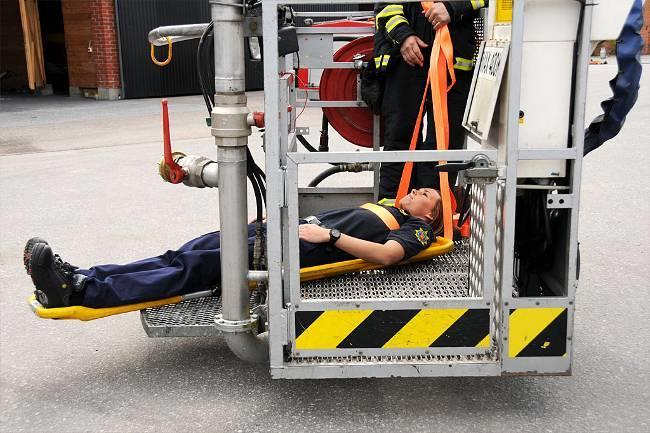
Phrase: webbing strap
{"type": "Point", "coordinates": [383, 214]}
{"type": "Point", "coordinates": [440, 66]}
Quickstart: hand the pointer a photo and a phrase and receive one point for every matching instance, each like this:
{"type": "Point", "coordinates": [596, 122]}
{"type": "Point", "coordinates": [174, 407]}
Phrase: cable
{"type": "Point", "coordinates": [303, 84]}
{"type": "Point", "coordinates": [323, 145]}
{"type": "Point", "coordinates": [209, 103]}
{"type": "Point", "coordinates": [306, 143]}
{"type": "Point", "coordinates": [340, 168]}
{"type": "Point", "coordinates": [254, 173]}
{"type": "Point", "coordinates": [325, 174]}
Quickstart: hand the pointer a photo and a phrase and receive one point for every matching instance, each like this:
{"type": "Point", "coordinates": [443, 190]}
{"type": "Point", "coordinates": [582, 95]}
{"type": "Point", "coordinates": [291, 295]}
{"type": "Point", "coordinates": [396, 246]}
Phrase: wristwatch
{"type": "Point", "coordinates": [335, 235]}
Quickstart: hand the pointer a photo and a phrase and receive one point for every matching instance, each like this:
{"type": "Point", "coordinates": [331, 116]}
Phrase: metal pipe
{"type": "Point", "coordinates": [234, 234]}
{"type": "Point", "coordinates": [229, 53]}
{"type": "Point", "coordinates": [158, 36]}
{"type": "Point", "coordinates": [210, 175]}
{"type": "Point", "coordinates": [231, 130]}
{"type": "Point", "coordinates": [200, 172]}
{"type": "Point", "coordinates": [249, 347]}
{"type": "Point", "coordinates": [257, 276]}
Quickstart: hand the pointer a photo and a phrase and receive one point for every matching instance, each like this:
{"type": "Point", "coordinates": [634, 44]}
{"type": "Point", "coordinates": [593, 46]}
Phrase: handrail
{"type": "Point", "coordinates": [160, 35]}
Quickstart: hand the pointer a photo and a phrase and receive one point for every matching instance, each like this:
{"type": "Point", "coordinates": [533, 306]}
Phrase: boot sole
{"type": "Point", "coordinates": [55, 294]}
{"type": "Point", "coordinates": [36, 258]}
{"type": "Point", "coordinates": [27, 253]}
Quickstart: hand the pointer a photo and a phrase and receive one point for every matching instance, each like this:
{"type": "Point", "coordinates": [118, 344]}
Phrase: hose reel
{"type": "Point", "coordinates": [354, 124]}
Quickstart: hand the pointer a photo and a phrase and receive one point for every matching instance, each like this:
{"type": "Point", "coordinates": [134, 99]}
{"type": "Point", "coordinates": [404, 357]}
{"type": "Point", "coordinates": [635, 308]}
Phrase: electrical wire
{"type": "Point", "coordinates": [200, 62]}
{"type": "Point", "coordinates": [305, 143]}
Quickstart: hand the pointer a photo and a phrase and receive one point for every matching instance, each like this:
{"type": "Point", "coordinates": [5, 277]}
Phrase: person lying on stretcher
{"type": "Point", "coordinates": [328, 237]}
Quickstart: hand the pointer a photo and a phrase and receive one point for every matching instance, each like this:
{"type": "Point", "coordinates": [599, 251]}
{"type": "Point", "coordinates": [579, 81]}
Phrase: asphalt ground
{"type": "Point", "coordinates": [82, 174]}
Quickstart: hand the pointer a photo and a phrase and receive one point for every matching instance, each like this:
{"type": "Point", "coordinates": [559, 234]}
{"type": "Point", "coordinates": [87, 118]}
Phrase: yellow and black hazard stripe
{"type": "Point", "coordinates": [537, 332]}
{"type": "Point", "coordinates": [392, 329]}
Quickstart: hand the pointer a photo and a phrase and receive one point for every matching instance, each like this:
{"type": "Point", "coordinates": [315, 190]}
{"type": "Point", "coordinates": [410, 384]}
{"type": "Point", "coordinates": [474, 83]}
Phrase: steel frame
{"type": "Point", "coordinates": [282, 216]}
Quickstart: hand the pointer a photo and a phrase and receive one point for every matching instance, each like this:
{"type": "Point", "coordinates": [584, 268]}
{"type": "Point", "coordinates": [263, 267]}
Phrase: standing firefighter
{"type": "Point", "coordinates": [404, 34]}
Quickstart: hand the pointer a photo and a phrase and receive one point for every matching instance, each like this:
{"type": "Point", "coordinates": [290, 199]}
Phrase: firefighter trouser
{"type": "Point", "coordinates": [402, 96]}
{"type": "Point", "coordinates": [194, 267]}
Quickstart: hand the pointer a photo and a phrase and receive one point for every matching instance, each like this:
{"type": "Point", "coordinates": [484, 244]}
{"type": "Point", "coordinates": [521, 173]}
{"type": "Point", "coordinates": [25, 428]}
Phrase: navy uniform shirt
{"type": "Point", "coordinates": [414, 234]}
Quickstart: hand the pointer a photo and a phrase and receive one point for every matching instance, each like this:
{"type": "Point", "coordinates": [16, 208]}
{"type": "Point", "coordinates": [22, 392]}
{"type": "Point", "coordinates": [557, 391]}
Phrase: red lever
{"type": "Point", "coordinates": [258, 119]}
{"type": "Point", "coordinates": [176, 173]}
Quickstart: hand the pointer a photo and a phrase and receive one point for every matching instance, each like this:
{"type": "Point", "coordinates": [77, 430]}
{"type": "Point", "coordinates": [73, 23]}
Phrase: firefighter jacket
{"type": "Point", "coordinates": [394, 22]}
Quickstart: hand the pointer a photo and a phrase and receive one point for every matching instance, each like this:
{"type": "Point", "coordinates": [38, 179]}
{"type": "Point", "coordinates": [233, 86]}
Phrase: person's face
{"type": "Point", "coordinates": [420, 202]}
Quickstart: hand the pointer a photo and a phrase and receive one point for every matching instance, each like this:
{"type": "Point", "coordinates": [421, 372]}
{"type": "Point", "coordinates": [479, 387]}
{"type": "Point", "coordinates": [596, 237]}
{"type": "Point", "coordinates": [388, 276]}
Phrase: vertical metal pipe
{"type": "Point", "coordinates": [229, 53]}
{"type": "Point", "coordinates": [233, 212]}
{"type": "Point", "coordinates": [231, 130]}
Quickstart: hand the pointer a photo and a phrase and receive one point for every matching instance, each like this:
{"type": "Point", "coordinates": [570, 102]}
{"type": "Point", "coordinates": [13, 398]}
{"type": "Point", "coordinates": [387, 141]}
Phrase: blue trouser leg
{"type": "Point", "coordinates": [194, 267]}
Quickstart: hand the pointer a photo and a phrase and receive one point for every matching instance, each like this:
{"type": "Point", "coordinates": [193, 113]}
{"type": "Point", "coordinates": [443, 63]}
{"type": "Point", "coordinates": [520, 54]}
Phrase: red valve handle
{"type": "Point", "coordinates": [176, 173]}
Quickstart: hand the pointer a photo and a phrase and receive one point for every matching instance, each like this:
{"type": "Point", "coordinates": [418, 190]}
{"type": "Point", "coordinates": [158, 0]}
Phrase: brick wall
{"type": "Point", "coordinates": [105, 47]}
{"type": "Point", "coordinates": [79, 44]}
{"type": "Point", "coordinates": [645, 30]}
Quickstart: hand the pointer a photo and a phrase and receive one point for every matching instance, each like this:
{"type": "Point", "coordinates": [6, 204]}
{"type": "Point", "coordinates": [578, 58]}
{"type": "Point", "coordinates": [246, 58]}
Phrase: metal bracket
{"type": "Point", "coordinates": [482, 172]}
{"type": "Point", "coordinates": [302, 130]}
{"type": "Point", "coordinates": [252, 26]}
{"type": "Point", "coordinates": [235, 326]}
{"type": "Point", "coordinates": [559, 201]}
{"type": "Point", "coordinates": [284, 189]}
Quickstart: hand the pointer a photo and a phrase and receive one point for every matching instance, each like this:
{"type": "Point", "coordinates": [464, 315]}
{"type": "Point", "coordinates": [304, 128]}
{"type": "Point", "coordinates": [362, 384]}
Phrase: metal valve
{"type": "Point", "coordinates": [357, 59]}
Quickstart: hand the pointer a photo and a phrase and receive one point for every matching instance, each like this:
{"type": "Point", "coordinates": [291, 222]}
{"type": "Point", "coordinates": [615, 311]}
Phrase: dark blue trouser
{"type": "Point", "coordinates": [193, 267]}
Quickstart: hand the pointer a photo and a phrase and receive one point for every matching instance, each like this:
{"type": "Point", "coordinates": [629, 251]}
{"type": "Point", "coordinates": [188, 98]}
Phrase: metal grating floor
{"type": "Point", "coordinates": [488, 357]}
{"type": "Point", "coordinates": [444, 276]}
{"type": "Point", "coordinates": [191, 318]}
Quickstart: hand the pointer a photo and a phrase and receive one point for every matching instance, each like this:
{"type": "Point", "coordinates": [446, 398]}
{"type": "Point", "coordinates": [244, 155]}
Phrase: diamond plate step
{"type": "Point", "coordinates": [191, 318]}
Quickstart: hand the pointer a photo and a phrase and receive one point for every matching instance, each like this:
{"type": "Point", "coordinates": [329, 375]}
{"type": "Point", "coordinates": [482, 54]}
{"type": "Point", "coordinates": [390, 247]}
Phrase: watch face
{"type": "Point", "coordinates": [335, 234]}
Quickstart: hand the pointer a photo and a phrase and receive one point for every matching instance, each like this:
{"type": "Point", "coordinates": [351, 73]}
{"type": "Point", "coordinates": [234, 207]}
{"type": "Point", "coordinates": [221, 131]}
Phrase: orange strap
{"type": "Point", "coordinates": [426, 5]}
{"type": "Point", "coordinates": [441, 66]}
{"type": "Point", "coordinates": [383, 214]}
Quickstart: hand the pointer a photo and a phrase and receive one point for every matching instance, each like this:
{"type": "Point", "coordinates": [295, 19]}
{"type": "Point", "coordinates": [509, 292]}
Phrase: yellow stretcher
{"type": "Point", "coordinates": [441, 246]}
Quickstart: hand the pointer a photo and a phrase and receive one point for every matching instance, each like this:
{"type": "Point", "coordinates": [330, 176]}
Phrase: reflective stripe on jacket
{"type": "Point", "coordinates": [394, 22]}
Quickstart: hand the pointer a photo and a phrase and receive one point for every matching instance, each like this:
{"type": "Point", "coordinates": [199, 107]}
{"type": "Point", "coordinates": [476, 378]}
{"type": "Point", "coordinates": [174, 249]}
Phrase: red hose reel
{"type": "Point", "coordinates": [354, 124]}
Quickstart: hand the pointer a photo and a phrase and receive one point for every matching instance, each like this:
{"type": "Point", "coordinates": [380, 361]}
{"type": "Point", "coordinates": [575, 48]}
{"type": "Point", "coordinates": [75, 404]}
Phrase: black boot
{"type": "Point", "coordinates": [27, 252]}
{"type": "Point", "coordinates": [54, 279]}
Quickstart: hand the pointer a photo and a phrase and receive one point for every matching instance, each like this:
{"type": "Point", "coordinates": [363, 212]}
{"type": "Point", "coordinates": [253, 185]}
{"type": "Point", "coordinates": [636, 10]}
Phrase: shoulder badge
{"type": "Point", "coordinates": [422, 236]}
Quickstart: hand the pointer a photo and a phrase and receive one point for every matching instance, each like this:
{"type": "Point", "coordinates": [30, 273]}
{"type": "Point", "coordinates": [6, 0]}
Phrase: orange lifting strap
{"type": "Point", "coordinates": [441, 64]}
